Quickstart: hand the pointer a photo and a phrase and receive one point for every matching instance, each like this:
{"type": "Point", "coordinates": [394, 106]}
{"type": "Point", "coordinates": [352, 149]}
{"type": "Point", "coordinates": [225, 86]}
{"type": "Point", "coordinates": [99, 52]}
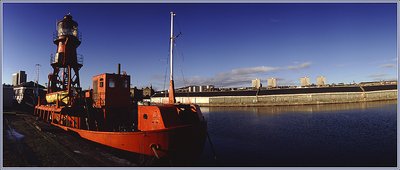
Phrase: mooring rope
{"type": "Point", "coordinates": [212, 147]}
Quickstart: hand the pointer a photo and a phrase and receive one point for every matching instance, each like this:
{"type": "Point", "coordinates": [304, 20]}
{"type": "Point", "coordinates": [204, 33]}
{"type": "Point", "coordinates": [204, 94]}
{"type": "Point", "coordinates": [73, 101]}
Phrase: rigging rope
{"type": "Point", "coordinates": [165, 78]}
{"type": "Point", "coordinates": [166, 70]}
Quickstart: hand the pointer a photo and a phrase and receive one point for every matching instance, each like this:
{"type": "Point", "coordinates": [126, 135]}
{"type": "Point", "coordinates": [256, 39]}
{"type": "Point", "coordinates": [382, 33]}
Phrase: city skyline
{"type": "Point", "coordinates": [226, 45]}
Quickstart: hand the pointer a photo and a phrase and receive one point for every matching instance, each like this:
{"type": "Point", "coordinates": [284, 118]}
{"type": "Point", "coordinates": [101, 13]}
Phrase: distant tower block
{"type": "Point", "coordinates": [18, 78]}
{"type": "Point", "coordinates": [321, 81]}
{"type": "Point", "coordinates": [271, 83]}
{"type": "Point", "coordinates": [305, 81]}
{"type": "Point", "coordinates": [15, 79]}
{"type": "Point", "coordinates": [256, 83]}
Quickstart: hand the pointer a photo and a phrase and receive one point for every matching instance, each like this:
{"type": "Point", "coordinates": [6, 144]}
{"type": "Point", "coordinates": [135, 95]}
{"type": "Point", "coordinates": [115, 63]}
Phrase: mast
{"type": "Point", "coordinates": [171, 93]}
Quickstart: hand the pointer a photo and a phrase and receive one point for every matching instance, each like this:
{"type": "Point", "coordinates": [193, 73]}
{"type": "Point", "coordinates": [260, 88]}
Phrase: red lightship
{"type": "Point", "coordinates": [107, 115]}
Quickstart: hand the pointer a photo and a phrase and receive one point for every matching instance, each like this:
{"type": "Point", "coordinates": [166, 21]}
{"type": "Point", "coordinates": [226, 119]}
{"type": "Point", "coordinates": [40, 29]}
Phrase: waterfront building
{"type": "Point", "coordinates": [148, 92]}
{"type": "Point", "coordinates": [136, 94]}
{"type": "Point", "coordinates": [305, 82]}
{"type": "Point", "coordinates": [321, 81]}
{"type": "Point", "coordinates": [195, 88]}
{"type": "Point", "coordinates": [200, 88]}
{"type": "Point", "coordinates": [18, 78]}
{"type": "Point", "coordinates": [182, 89]}
{"type": "Point", "coordinates": [256, 83]}
{"type": "Point", "coordinates": [271, 83]}
{"type": "Point", "coordinates": [140, 94]}
{"type": "Point", "coordinates": [28, 92]}
{"type": "Point", "coordinates": [375, 83]}
{"type": "Point", "coordinates": [210, 87]}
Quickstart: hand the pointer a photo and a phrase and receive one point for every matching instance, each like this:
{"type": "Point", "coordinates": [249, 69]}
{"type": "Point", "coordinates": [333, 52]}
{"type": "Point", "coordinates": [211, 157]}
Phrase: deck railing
{"type": "Point", "coordinates": [77, 34]}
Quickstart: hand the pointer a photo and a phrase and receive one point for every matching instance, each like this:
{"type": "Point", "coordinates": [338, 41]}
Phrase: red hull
{"type": "Point", "coordinates": [182, 142]}
{"type": "Point", "coordinates": [178, 142]}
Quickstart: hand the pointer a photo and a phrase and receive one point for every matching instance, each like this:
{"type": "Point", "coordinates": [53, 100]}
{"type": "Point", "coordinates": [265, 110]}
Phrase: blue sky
{"type": "Point", "coordinates": [226, 45]}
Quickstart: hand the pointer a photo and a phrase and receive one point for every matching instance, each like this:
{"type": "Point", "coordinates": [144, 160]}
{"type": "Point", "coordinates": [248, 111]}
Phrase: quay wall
{"type": "Point", "coordinates": [286, 99]}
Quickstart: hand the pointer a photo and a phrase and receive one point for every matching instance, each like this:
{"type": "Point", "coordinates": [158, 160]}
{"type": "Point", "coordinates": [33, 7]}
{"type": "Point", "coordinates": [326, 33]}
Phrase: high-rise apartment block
{"type": "Point", "coordinates": [18, 78]}
{"type": "Point", "coordinates": [321, 81]}
{"type": "Point", "coordinates": [256, 83]}
{"type": "Point", "coordinates": [305, 81]}
{"type": "Point", "coordinates": [271, 83]}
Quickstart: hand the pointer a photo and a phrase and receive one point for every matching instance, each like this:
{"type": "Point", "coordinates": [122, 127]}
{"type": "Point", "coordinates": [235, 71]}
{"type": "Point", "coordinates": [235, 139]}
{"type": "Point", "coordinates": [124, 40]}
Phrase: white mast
{"type": "Point", "coordinates": [171, 92]}
{"type": "Point", "coordinates": [171, 77]}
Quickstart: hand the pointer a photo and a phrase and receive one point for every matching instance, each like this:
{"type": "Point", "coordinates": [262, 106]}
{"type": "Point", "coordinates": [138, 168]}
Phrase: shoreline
{"type": "Point", "coordinates": [285, 99]}
{"type": "Point", "coordinates": [272, 105]}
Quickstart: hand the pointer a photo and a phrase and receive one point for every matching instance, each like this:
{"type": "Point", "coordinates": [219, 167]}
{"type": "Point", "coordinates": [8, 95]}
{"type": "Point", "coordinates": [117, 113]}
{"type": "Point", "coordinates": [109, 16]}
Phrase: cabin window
{"type": "Point", "coordinates": [111, 83]}
{"type": "Point", "coordinates": [95, 89]}
{"type": "Point", "coordinates": [101, 82]}
{"type": "Point", "coordinates": [126, 83]}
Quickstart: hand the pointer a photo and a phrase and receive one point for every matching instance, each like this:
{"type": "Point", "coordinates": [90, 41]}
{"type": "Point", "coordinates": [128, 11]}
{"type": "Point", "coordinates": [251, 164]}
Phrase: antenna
{"type": "Point", "coordinates": [37, 73]}
{"type": "Point", "coordinates": [37, 79]}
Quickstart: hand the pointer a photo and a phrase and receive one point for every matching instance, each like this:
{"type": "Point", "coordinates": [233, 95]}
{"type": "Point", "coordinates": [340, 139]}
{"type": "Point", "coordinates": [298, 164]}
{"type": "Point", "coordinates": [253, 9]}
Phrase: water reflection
{"type": "Point", "coordinates": [271, 110]}
{"type": "Point", "coordinates": [352, 134]}
{"type": "Point", "coordinates": [12, 134]}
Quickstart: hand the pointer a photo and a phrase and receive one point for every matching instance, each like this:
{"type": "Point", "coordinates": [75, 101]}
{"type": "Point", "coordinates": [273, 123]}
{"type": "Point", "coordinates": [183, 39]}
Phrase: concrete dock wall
{"type": "Point", "coordinates": [197, 100]}
{"type": "Point", "coordinates": [286, 99]}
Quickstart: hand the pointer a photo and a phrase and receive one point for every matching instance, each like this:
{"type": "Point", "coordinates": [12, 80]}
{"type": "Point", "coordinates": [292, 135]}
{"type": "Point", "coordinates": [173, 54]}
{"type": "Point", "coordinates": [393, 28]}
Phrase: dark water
{"type": "Point", "coordinates": [355, 134]}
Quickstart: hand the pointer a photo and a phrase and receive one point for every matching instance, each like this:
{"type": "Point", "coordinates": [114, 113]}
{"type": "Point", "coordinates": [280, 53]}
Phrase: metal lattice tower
{"type": "Point", "coordinates": [65, 63]}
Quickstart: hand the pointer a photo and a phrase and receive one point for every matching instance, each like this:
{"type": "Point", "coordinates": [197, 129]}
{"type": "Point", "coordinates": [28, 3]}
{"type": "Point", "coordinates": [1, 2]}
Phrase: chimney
{"type": "Point", "coordinates": [119, 68]}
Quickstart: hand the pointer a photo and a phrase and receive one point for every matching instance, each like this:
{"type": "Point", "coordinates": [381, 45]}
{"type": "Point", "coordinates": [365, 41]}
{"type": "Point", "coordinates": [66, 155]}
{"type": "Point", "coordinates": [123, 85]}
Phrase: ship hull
{"type": "Point", "coordinates": [183, 143]}
{"type": "Point", "coordinates": [179, 141]}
